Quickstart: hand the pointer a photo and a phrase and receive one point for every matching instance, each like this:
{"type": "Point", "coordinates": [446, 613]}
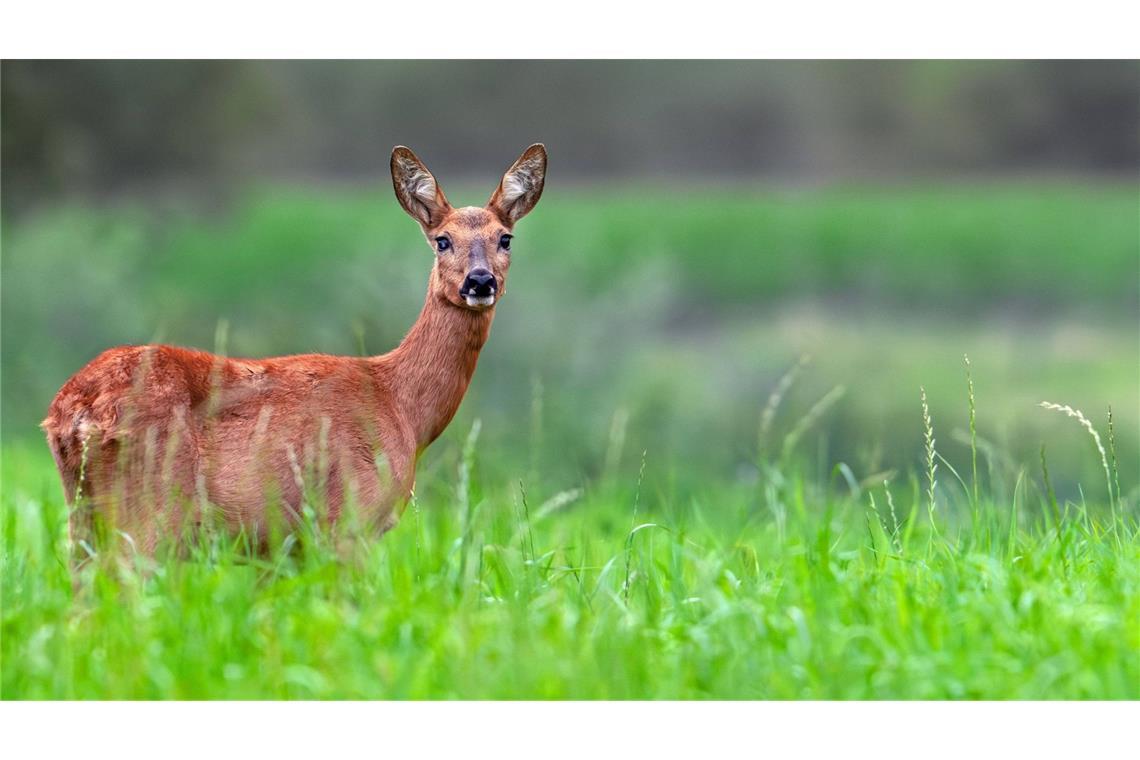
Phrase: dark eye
{"type": "Point", "coordinates": [442, 244]}
{"type": "Point", "coordinates": [505, 242]}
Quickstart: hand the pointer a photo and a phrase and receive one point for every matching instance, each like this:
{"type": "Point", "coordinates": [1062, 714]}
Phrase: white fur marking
{"type": "Point", "coordinates": [480, 300]}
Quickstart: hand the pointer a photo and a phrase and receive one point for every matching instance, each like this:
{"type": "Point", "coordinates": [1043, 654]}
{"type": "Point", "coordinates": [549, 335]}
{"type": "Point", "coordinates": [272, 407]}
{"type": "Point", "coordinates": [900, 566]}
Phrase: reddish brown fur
{"type": "Point", "coordinates": [145, 436]}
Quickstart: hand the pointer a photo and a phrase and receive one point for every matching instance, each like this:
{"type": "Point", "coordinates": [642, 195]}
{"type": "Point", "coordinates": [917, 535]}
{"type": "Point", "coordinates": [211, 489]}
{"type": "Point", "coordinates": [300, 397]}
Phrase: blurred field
{"type": "Point", "coordinates": [675, 310]}
{"type": "Point", "coordinates": [629, 364]}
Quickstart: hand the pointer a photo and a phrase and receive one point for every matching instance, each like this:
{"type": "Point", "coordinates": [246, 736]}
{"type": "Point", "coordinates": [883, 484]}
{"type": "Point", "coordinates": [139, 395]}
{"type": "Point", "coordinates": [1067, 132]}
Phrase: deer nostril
{"type": "Point", "coordinates": [479, 283]}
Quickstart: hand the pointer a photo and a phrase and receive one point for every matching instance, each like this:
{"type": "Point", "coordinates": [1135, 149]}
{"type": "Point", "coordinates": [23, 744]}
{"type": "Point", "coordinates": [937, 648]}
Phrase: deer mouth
{"type": "Point", "coordinates": [479, 301]}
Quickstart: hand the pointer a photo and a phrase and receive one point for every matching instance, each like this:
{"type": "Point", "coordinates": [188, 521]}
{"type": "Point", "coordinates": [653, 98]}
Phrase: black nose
{"type": "Point", "coordinates": [479, 283]}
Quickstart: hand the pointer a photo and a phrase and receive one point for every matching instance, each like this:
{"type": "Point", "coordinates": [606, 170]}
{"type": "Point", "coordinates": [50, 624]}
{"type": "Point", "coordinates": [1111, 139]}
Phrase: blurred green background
{"type": "Point", "coordinates": [705, 225]}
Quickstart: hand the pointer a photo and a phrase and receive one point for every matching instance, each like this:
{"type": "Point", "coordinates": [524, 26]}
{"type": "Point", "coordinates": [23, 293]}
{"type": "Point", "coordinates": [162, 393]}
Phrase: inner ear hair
{"type": "Point", "coordinates": [521, 186]}
{"type": "Point", "coordinates": [416, 188]}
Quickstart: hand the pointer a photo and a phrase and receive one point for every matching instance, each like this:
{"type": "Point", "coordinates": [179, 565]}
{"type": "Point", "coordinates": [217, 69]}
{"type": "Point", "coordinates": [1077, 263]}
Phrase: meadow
{"type": "Point", "coordinates": [694, 462]}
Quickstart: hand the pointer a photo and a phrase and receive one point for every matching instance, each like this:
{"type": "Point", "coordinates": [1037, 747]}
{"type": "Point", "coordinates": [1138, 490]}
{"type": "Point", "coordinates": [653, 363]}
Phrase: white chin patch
{"type": "Point", "coordinates": [480, 300]}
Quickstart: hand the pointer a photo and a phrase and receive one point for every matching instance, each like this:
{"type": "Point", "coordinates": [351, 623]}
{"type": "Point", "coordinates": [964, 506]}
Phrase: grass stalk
{"type": "Point", "coordinates": [633, 526]}
{"type": "Point", "coordinates": [526, 518]}
{"type": "Point", "coordinates": [818, 409]}
{"type": "Point", "coordinates": [973, 434]}
{"type": "Point", "coordinates": [775, 398]}
{"type": "Point", "coordinates": [466, 502]}
{"type": "Point", "coordinates": [931, 455]}
{"type": "Point", "coordinates": [1112, 456]}
{"type": "Point", "coordinates": [1088, 426]}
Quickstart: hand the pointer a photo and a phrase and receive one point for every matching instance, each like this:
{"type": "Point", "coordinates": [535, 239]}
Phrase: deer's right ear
{"type": "Point", "coordinates": [416, 188]}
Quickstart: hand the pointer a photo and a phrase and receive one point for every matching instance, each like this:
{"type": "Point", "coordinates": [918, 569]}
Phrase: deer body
{"type": "Point", "coordinates": [145, 437]}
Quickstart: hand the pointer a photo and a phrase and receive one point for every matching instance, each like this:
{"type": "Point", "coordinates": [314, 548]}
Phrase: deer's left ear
{"type": "Point", "coordinates": [521, 186]}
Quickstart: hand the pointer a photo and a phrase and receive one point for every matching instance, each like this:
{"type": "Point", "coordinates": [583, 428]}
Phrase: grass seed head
{"type": "Point", "coordinates": [1088, 426]}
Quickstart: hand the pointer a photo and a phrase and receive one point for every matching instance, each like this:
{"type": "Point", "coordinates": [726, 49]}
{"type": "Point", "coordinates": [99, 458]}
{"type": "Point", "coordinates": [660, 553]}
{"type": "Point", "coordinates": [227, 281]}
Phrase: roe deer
{"type": "Point", "coordinates": [146, 436]}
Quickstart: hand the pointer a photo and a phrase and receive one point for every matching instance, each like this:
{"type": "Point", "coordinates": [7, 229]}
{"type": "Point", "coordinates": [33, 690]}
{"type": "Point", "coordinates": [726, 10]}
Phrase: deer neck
{"type": "Point", "coordinates": [432, 367]}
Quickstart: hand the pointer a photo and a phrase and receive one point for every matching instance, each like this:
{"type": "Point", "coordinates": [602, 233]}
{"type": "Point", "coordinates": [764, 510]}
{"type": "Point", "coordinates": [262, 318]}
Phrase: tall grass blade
{"type": "Point", "coordinates": [1088, 426]}
{"type": "Point", "coordinates": [973, 434]}
{"type": "Point", "coordinates": [818, 409]}
{"type": "Point", "coordinates": [629, 540]}
{"type": "Point", "coordinates": [1112, 455]}
{"type": "Point", "coordinates": [775, 398]}
{"type": "Point", "coordinates": [466, 502]}
{"type": "Point", "coordinates": [931, 455]}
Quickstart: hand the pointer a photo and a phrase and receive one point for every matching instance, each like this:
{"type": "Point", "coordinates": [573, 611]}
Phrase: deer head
{"type": "Point", "coordinates": [472, 245]}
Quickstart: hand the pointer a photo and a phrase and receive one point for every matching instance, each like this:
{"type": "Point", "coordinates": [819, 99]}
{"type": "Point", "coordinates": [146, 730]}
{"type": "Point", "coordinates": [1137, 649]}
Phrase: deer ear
{"type": "Point", "coordinates": [521, 186]}
{"type": "Point", "coordinates": [416, 188]}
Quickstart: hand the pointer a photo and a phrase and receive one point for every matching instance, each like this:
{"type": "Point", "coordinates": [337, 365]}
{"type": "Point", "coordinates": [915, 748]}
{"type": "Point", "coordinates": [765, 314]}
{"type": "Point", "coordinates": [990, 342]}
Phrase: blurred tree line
{"type": "Point", "coordinates": [80, 128]}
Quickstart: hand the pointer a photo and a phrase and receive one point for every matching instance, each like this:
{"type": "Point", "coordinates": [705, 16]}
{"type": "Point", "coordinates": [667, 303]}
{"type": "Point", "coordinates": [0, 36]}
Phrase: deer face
{"type": "Point", "coordinates": [472, 245]}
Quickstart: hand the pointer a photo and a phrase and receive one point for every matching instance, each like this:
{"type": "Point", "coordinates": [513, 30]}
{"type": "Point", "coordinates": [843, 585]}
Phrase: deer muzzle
{"type": "Point", "coordinates": [479, 288]}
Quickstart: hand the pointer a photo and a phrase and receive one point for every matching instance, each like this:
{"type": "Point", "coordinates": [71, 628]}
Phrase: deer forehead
{"type": "Point", "coordinates": [473, 219]}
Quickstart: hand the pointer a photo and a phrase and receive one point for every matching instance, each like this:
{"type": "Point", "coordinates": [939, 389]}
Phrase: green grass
{"type": "Point", "coordinates": [786, 590]}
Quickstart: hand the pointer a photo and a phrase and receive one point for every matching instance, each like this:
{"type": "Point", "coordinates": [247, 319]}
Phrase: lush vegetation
{"type": "Point", "coordinates": [622, 591]}
{"type": "Point", "coordinates": [636, 515]}
{"type": "Point", "coordinates": [678, 308]}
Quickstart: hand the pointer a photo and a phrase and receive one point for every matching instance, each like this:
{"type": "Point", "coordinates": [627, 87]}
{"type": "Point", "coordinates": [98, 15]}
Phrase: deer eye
{"type": "Point", "coordinates": [505, 242]}
{"type": "Point", "coordinates": [442, 244]}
